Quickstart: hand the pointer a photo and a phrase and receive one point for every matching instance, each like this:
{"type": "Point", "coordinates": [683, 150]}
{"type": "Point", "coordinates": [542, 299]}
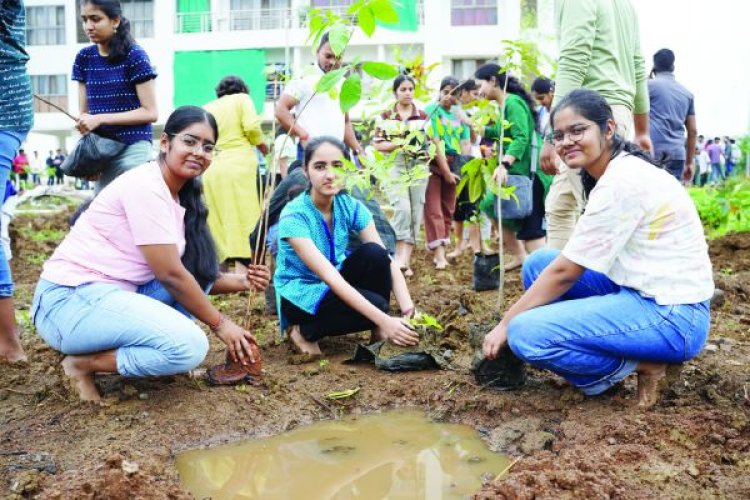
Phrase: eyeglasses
{"type": "Point", "coordinates": [575, 134]}
{"type": "Point", "coordinates": [193, 143]}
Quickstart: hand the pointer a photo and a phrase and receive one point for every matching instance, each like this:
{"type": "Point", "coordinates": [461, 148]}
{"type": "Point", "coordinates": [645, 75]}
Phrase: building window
{"type": "Point", "coordinates": [45, 25]}
{"type": "Point", "coordinates": [141, 16]}
{"type": "Point", "coordinates": [465, 68]}
{"type": "Point", "coordinates": [259, 15]}
{"type": "Point", "coordinates": [529, 14]}
{"type": "Point", "coordinates": [54, 88]}
{"type": "Point", "coordinates": [473, 12]}
{"type": "Point", "coordinates": [276, 75]}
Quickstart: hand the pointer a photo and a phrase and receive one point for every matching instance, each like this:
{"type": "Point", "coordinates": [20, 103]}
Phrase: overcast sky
{"type": "Point", "coordinates": [711, 41]}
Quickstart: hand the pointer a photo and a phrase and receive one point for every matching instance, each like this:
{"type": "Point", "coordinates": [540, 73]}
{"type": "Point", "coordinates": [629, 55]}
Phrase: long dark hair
{"type": "Point", "coordinates": [122, 40]}
{"type": "Point", "coordinates": [489, 70]}
{"type": "Point", "coordinates": [592, 106]}
{"type": "Point", "coordinates": [200, 253]}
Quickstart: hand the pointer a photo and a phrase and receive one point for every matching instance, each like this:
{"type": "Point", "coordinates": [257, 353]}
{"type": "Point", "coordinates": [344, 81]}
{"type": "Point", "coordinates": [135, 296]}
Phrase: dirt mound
{"type": "Point", "coordinates": [731, 252]}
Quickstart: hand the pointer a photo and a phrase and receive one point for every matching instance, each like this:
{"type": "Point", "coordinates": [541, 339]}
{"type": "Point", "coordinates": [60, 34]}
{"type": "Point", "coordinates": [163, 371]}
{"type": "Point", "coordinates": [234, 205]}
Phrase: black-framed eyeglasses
{"type": "Point", "coordinates": [575, 134]}
{"type": "Point", "coordinates": [193, 143]}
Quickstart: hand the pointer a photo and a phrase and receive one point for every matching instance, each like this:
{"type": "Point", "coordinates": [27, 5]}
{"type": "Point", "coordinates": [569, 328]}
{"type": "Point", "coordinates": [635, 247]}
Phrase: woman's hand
{"type": "Point", "coordinates": [258, 276]}
{"type": "Point", "coordinates": [500, 175]}
{"type": "Point", "coordinates": [88, 123]}
{"type": "Point", "coordinates": [494, 341]}
{"type": "Point", "coordinates": [237, 340]}
{"type": "Point", "coordinates": [398, 331]}
{"type": "Point", "coordinates": [451, 179]}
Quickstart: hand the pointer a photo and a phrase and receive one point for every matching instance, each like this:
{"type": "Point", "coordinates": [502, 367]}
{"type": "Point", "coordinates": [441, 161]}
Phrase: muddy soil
{"type": "Point", "coordinates": [694, 444]}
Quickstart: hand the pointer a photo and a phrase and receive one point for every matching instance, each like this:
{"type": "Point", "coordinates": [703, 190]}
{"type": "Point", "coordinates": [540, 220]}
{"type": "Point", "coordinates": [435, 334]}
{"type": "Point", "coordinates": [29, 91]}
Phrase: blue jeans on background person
{"type": "Point", "coordinates": [10, 142]}
{"type": "Point", "coordinates": [132, 156]}
{"type": "Point", "coordinates": [675, 167]}
{"type": "Point", "coordinates": [597, 332]}
{"type": "Point", "coordinates": [152, 334]}
{"type": "Point", "coordinates": [717, 174]}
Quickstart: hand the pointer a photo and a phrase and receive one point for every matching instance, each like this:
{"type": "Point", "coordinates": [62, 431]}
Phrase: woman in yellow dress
{"type": "Point", "coordinates": [230, 184]}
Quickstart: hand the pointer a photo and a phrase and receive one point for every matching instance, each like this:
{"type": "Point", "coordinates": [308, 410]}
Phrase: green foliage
{"type": "Point", "coordinates": [724, 209]}
{"type": "Point", "coordinates": [424, 320]}
{"type": "Point", "coordinates": [379, 70]}
{"type": "Point", "coordinates": [329, 80]}
{"type": "Point", "coordinates": [351, 92]}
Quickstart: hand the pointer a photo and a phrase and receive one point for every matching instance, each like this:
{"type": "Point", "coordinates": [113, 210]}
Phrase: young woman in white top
{"type": "Point", "coordinates": [630, 291]}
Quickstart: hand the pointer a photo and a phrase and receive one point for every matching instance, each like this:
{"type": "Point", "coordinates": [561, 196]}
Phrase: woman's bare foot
{"type": "Point", "coordinates": [513, 263]}
{"type": "Point", "coordinates": [649, 377]}
{"type": "Point", "coordinates": [456, 253]}
{"type": "Point", "coordinates": [302, 344]}
{"type": "Point", "coordinates": [76, 367]}
{"type": "Point", "coordinates": [11, 351]}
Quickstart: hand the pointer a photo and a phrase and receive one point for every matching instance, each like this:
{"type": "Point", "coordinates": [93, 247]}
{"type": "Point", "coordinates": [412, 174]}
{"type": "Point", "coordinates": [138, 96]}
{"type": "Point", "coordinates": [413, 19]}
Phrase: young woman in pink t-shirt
{"type": "Point", "coordinates": [119, 293]}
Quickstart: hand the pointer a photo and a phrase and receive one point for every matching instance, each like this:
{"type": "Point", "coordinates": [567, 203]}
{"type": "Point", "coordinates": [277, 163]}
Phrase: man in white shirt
{"type": "Point", "coordinates": [317, 113]}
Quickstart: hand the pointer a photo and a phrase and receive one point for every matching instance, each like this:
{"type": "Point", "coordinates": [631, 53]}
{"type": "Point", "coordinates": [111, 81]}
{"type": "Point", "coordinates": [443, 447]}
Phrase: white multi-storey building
{"type": "Point", "coordinates": [193, 43]}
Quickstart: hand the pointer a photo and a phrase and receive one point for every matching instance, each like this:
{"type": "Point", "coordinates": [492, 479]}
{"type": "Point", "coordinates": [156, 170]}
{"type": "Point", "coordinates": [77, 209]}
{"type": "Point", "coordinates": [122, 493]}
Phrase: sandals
{"type": "Point", "coordinates": [232, 373]}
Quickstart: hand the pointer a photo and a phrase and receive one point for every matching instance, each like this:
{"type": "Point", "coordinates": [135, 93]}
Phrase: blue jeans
{"type": "Point", "coordinates": [151, 333]}
{"type": "Point", "coordinates": [597, 332]}
{"type": "Point", "coordinates": [675, 167]}
{"type": "Point", "coordinates": [10, 141]}
{"type": "Point", "coordinates": [132, 156]}
{"type": "Point", "coordinates": [717, 173]}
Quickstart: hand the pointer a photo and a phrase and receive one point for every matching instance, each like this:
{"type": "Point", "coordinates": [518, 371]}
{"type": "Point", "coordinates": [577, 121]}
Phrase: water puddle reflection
{"type": "Point", "coordinates": [397, 455]}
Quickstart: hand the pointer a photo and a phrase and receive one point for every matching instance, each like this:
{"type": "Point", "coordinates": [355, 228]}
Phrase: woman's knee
{"type": "Point", "coordinates": [535, 263]}
{"type": "Point", "coordinates": [188, 350]}
{"type": "Point", "coordinates": [373, 252]}
{"type": "Point", "coordinates": [527, 337]}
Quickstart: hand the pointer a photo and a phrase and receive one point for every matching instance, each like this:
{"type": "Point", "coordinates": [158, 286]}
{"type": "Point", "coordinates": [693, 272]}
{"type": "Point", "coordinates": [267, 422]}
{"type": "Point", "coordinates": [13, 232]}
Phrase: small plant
{"type": "Point", "coordinates": [424, 320]}
{"type": "Point", "coordinates": [323, 364]}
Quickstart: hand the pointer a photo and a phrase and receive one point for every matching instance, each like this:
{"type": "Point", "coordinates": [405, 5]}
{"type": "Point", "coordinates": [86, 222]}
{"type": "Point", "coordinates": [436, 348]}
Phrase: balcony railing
{"type": "Point", "coordinates": [236, 20]}
{"type": "Point", "coordinates": [252, 20]}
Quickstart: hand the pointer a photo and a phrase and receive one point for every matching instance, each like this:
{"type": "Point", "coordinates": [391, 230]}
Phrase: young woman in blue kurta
{"type": "Point", "coordinates": [324, 292]}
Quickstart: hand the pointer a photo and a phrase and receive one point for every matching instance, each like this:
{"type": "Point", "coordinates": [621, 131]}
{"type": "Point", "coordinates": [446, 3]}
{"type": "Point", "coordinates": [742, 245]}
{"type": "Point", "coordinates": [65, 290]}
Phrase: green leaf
{"type": "Point", "coordinates": [338, 37]}
{"type": "Point", "coordinates": [351, 92]}
{"type": "Point", "coordinates": [384, 11]}
{"type": "Point", "coordinates": [329, 80]}
{"type": "Point", "coordinates": [471, 167]}
{"type": "Point", "coordinates": [366, 20]}
{"type": "Point", "coordinates": [380, 70]}
{"type": "Point", "coordinates": [475, 188]}
{"type": "Point", "coordinates": [461, 184]}
{"type": "Point", "coordinates": [456, 144]}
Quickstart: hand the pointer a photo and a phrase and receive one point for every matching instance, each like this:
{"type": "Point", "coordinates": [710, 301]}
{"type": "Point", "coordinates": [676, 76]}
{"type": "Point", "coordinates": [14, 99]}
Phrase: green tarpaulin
{"type": "Point", "coordinates": [408, 17]}
{"type": "Point", "coordinates": [196, 74]}
{"type": "Point", "coordinates": [193, 16]}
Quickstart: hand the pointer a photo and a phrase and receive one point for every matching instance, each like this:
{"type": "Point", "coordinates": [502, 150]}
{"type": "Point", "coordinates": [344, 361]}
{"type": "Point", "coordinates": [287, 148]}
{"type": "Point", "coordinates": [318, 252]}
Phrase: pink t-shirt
{"type": "Point", "coordinates": [135, 209]}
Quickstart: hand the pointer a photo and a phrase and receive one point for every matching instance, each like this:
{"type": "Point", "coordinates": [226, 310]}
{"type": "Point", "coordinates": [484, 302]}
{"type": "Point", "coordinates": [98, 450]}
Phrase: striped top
{"type": "Point", "coordinates": [16, 105]}
{"type": "Point", "coordinates": [110, 88]}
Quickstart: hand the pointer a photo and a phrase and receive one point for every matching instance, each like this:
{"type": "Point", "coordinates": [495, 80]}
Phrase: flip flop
{"type": "Point", "coordinates": [233, 373]}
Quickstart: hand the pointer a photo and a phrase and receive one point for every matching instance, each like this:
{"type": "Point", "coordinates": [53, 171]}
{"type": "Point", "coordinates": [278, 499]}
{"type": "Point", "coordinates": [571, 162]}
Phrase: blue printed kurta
{"type": "Point", "coordinates": [293, 280]}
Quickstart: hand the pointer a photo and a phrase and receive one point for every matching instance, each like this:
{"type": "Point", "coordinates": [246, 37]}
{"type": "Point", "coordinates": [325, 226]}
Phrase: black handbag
{"type": "Point", "coordinates": [91, 155]}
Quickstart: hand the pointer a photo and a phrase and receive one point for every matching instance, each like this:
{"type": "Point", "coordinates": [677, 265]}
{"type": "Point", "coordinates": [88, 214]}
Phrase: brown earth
{"type": "Point", "coordinates": [694, 444]}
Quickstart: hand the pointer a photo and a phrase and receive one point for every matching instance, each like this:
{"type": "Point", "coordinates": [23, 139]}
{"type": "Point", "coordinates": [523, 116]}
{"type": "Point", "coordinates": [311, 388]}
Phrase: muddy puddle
{"type": "Point", "coordinates": [396, 455]}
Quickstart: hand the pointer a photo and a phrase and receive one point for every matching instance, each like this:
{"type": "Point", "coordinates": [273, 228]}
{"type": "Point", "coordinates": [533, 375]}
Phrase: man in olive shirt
{"type": "Point", "coordinates": [600, 50]}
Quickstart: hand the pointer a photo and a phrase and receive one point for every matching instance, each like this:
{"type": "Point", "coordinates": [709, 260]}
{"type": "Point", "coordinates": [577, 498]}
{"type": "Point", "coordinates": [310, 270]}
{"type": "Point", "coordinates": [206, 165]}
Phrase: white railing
{"type": "Point", "coordinates": [236, 20]}
{"type": "Point", "coordinates": [252, 20]}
